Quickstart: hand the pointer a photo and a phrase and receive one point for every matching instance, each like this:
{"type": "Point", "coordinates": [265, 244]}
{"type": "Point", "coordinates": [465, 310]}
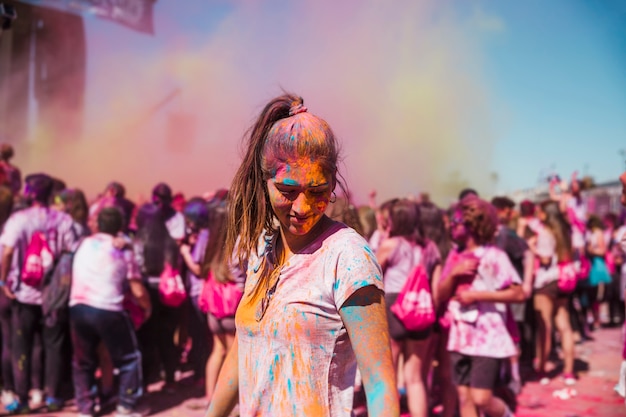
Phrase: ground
{"type": "Point", "coordinates": [598, 361]}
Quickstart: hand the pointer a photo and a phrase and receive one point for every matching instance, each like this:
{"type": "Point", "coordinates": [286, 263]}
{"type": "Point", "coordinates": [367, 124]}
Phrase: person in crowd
{"type": "Point", "coordinates": [9, 173]}
{"type": "Point", "coordinates": [367, 219]}
{"type": "Point", "coordinates": [178, 202]}
{"type": "Point", "coordinates": [522, 260]}
{"type": "Point", "coordinates": [620, 387]}
{"type": "Point", "coordinates": [99, 275]}
{"type": "Point", "coordinates": [313, 307]}
{"type": "Point", "coordinates": [73, 202]}
{"type": "Point", "coordinates": [477, 278]}
{"type": "Point", "coordinates": [114, 193]}
{"type": "Point", "coordinates": [59, 231]}
{"type": "Point", "coordinates": [399, 255]}
{"type": "Point", "coordinates": [435, 233]}
{"type": "Point", "coordinates": [174, 220]}
{"type": "Point", "coordinates": [192, 252]}
{"type": "Point", "coordinates": [154, 249]}
{"type": "Point", "coordinates": [552, 246]}
{"type": "Point", "coordinates": [615, 256]}
{"type": "Point", "coordinates": [599, 275]}
{"type": "Point", "coordinates": [382, 221]}
{"type": "Point", "coordinates": [225, 271]}
{"type": "Point", "coordinates": [8, 386]}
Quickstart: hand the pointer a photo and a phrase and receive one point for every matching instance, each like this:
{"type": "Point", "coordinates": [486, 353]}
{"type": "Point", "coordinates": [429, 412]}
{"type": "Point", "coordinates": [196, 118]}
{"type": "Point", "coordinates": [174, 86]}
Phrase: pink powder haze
{"type": "Point", "coordinates": [401, 86]}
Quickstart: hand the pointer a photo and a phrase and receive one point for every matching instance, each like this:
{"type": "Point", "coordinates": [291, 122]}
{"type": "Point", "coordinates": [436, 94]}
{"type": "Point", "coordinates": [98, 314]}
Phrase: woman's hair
{"type": "Point", "coordinates": [527, 208]}
{"type": "Point", "coordinates": [284, 131]}
{"type": "Point", "coordinates": [480, 218]}
{"type": "Point", "coordinates": [215, 259]}
{"type": "Point", "coordinates": [594, 222]}
{"type": "Point", "coordinates": [434, 228]}
{"type": "Point", "coordinates": [75, 204]}
{"type": "Point", "coordinates": [6, 152]}
{"type": "Point", "coordinates": [404, 220]}
{"type": "Point", "coordinates": [157, 245]}
{"type": "Point", "coordinates": [367, 218]}
{"type": "Point", "coordinates": [560, 228]}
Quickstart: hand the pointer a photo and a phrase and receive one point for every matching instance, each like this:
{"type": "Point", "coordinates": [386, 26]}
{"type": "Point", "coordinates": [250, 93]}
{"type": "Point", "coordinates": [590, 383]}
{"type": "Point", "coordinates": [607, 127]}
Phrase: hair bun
{"type": "Point", "coordinates": [297, 108]}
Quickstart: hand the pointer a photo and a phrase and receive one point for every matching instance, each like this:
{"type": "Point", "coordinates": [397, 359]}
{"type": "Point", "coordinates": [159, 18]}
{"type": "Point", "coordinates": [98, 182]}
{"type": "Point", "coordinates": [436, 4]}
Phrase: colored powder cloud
{"type": "Point", "coordinates": [401, 84]}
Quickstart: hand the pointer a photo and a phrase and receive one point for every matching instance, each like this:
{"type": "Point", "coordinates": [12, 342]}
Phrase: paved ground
{"type": "Point", "coordinates": [598, 360]}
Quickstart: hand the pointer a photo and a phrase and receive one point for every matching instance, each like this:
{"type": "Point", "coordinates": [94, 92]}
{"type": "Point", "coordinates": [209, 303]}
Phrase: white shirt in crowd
{"type": "Point", "coordinates": [176, 226]}
{"type": "Point", "coordinates": [61, 234]}
{"type": "Point", "coordinates": [100, 273]}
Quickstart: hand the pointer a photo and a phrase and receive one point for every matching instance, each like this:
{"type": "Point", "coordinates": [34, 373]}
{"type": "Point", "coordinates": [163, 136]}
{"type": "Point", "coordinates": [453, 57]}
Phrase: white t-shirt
{"type": "Point", "coordinates": [61, 234]}
{"type": "Point", "coordinates": [402, 261]}
{"type": "Point", "coordinates": [298, 360]}
{"type": "Point", "coordinates": [100, 273]}
{"type": "Point", "coordinates": [176, 226]}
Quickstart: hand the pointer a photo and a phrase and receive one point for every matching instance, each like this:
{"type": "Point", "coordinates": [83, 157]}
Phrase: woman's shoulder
{"type": "Point", "coordinates": [339, 238]}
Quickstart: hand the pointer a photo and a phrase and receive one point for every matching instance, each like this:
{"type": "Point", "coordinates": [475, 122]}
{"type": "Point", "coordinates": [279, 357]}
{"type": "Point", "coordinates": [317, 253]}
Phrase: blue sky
{"type": "Point", "coordinates": [544, 80]}
{"type": "Point", "coordinates": [559, 70]}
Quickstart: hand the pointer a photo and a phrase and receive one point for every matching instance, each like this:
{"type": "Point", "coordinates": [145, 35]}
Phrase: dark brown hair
{"type": "Point", "coordinates": [560, 228]}
{"type": "Point", "coordinates": [480, 218]}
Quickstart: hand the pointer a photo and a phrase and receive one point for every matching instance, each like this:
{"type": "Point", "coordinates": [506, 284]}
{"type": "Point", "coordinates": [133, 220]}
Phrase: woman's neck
{"type": "Point", "coordinates": [295, 243]}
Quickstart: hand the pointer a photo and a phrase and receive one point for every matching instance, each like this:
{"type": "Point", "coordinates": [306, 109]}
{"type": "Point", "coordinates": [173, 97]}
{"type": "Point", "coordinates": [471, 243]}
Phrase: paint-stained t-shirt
{"type": "Point", "coordinates": [61, 234]}
{"type": "Point", "coordinates": [480, 328]}
{"type": "Point", "coordinates": [298, 360]}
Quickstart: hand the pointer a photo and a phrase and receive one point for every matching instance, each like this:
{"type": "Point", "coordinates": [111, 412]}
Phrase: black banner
{"type": "Point", "coordinates": [135, 14]}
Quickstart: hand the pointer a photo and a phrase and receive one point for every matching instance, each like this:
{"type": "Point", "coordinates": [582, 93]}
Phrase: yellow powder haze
{"type": "Point", "coordinates": [400, 83]}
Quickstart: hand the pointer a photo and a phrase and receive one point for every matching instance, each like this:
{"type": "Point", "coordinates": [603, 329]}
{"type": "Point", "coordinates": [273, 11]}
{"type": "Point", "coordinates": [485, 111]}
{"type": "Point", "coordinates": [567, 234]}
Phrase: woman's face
{"type": "Point", "coordinates": [458, 230]}
{"type": "Point", "coordinates": [299, 194]}
{"type": "Point", "coordinates": [541, 215]}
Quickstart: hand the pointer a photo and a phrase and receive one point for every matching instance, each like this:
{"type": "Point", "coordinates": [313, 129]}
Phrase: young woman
{"type": "Point", "coordinates": [599, 276]}
{"type": "Point", "coordinates": [399, 255]}
{"type": "Point", "coordinates": [552, 246]}
{"type": "Point", "coordinates": [192, 250]}
{"type": "Point", "coordinates": [478, 278]}
{"type": "Point", "coordinates": [224, 272]}
{"type": "Point", "coordinates": [313, 306]}
{"type": "Point", "coordinates": [154, 248]}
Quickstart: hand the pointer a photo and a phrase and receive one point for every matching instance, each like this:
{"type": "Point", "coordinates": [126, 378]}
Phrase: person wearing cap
{"type": "Point", "coordinates": [175, 221]}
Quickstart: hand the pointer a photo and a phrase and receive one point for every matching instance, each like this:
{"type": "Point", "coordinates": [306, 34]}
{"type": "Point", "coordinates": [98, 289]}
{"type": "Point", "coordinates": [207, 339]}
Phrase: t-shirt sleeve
{"type": "Point", "coordinates": [11, 232]}
{"type": "Point", "coordinates": [356, 268]}
{"type": "Point", "coordinates": [506, 275]}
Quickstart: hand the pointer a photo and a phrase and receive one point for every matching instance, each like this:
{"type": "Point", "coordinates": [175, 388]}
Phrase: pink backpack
{"type": "Point", "coordinates": [220, 299]}
{"type": "Point", "coordinates": [414, 305]}
{"type": "Point", "coordinates": [38, 260]}
{"type": "Point", "coordinates": [568, 276]}
{"type": "Point", "coordinates": [171, 288]}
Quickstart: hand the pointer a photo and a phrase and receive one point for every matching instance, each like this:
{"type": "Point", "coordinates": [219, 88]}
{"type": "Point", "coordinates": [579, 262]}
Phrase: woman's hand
{"type": "Point", "coordinates": [466, 267]}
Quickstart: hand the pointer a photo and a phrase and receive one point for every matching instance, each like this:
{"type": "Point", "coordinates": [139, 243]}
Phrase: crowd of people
{"type": "Point", "coordinates": [286, 299]}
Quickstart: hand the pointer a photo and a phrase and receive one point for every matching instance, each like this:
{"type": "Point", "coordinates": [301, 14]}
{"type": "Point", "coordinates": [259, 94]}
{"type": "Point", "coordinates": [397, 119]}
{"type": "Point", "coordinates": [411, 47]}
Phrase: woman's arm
{"type": "Point", "coordinates": [512, 294]}
{"type": "Point", "coordinates": [435, 283]}
{"type": "Point", "coordinates": [194, 267]}
{"type": "Point", "coordinates": [365, 319]}
{"type": "Point", "coordinates": [227, 389]}
{"type": "Point", "coordinates": [384, 252]}
{"type": "Point", "coordinates": [529, 273]}
{"type": "Point", "coordinates": [466, 265]}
